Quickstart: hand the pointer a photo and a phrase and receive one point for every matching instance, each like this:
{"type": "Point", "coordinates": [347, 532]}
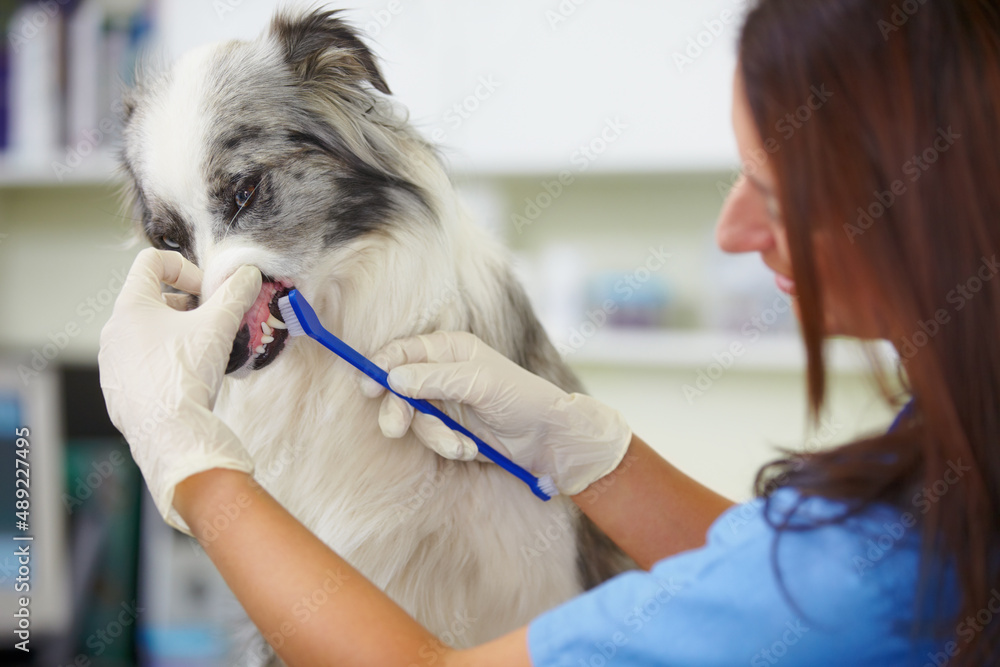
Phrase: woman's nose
{"type": "Point", "coordinates": [744, 224]}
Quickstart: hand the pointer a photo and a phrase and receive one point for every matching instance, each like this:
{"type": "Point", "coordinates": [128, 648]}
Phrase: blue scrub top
{"type": "Point", "coordinates": [854, 584]}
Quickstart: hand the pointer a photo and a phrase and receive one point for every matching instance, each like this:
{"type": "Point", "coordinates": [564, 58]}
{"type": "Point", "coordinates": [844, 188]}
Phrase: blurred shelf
{"type": "Point", "coordinates": [100, 169]}
{"type": "Point", "coordinates": [778, 353]}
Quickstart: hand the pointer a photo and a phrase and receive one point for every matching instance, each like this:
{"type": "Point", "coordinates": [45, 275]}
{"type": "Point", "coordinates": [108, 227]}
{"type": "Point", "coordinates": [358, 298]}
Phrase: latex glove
{"type": "Point", "coordinates": [161, 369]}
{"type": "Point", "coordinates": [572, 437]}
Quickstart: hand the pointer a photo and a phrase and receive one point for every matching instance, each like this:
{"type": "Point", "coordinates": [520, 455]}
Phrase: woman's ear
{"type": "Point", "coordinates": [322, 49]}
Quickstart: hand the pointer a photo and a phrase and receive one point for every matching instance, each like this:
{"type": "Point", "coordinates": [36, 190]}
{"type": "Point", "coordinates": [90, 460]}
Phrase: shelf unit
{"type": "Point", "coordinates": [99, 169]}
{"type": "Point", "coordinates": [624, 348]}
{"type": "Point", "coordinates": [700, 350]}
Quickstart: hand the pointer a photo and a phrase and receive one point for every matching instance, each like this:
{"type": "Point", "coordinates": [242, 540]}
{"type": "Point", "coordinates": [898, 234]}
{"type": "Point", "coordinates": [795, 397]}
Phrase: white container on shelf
{"type": "Point", "coordinates": [35, 121]}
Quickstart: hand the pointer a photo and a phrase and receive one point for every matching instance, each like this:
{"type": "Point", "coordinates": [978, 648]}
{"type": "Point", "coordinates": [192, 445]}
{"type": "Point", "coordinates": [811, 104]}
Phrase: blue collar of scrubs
{"type": "Point", "coordinates": [906, 412]}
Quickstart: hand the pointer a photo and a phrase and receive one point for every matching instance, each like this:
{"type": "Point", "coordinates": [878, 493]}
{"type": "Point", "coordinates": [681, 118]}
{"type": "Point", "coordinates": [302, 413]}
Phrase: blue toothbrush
{"type": "Point", "coordinates": [301, 320]}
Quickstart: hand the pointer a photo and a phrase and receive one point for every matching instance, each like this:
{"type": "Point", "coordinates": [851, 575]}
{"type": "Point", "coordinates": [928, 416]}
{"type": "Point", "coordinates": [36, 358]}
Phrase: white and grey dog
{"type": "Point", "coordinates": [287, 153]}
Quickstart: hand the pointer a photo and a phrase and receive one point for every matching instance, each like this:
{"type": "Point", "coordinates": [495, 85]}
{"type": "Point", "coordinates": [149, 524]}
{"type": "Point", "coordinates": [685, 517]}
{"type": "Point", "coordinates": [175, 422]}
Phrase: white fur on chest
{"type": "Point", "coordinates": [451, 542]}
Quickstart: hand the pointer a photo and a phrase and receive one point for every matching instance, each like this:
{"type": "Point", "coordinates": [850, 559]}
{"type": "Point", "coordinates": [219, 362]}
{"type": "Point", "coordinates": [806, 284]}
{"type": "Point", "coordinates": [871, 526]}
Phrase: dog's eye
{"type": "Point", "coordinates": [243, 195]}
{"type": "Point", "coordinates": [170, 243]}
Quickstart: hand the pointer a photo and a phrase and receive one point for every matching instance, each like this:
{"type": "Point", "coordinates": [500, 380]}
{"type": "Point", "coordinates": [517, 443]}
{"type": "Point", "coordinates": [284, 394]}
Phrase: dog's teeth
{"type": "Point", "coordinates": [275, 322]}
{"type": "Point", "coordinates": [266, 339]}
{"type": "Point", "coordinates": [259, 349]}
{"type": "Point", "coordinates": [266, 329]}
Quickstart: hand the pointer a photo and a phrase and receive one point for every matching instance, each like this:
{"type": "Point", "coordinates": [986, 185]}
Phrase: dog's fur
{"type": "Point", "coordinates": [353, 208]}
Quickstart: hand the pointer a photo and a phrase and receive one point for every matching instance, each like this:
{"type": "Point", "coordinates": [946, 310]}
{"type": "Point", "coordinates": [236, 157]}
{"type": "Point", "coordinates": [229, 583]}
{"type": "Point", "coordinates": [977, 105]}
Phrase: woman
{"type": "Point", "coordinates": [869, 133]}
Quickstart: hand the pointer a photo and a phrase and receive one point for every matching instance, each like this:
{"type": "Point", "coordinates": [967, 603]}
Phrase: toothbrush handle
{"type": "Point", "coordinates": [486, 450]}
{"type": "Point", "coordinates": [359, 361]}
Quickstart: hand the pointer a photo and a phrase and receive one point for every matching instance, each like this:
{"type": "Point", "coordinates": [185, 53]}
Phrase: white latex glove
{"type": "Point", "coordinates": [161, 369]}
{"type": "Point", "coordinates": [572, 437]}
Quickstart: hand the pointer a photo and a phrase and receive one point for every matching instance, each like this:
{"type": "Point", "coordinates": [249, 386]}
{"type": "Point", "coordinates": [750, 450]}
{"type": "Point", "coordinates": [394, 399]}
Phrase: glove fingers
{"type": "Point", "coordinates": [176, 301]}
{"type": "Point", "coordinates": [439, 347]}
{"type": "Point", "coordinates": [369, 387]}
{"type": "Point", "coordinates": [446, 382]}
{"type": "Point", "coordinates": [394, 416]}
{"type": "Point", "coordinates": [446, 442]}
{"type": "Point", "coordinates": [233, 298]}
{"type": "Point", "coordinates": [152, 267]}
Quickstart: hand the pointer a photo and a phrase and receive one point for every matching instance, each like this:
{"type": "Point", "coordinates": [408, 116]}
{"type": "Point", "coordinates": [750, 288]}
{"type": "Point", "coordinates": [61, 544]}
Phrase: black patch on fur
{"type": "Point", "coordinates": [307, 39]}
{"type": "Point", "coordinates": [164, 222]}
{"type": "Point", "coordinates": [309, 140]}
{"type": "Point", "coordinates": [365, 198]}
{"type": "Point", "coordinates": [365, 202]}
{"type": "Point", "coordinates": [239, 136]}
{"type": "Point", "coordinates": [161, 221]}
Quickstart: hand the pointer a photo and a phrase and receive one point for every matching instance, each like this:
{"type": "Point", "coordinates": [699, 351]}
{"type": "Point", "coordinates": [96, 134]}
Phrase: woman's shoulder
{"type": "Point", "coordinates": [824, 528]}
{"type": "Point", "coordinates": [829, 556]}
{"type": "Point", "coordinates": [752, 594]}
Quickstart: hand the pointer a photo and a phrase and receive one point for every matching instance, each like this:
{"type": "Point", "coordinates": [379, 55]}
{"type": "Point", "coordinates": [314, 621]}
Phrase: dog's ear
{"type": "Point", "coordinates": [319, 47]}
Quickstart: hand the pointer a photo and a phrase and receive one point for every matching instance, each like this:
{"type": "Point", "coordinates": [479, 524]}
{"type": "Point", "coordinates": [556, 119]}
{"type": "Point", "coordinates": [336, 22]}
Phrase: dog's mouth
{"type": "Point", "coordinates": [262, 333]}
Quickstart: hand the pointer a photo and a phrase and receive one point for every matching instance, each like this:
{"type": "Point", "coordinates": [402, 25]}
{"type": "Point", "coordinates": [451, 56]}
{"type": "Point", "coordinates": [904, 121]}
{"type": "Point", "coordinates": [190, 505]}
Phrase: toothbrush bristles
{"type": "Point", "coordinates": [548, 486]}
{"type": "Point", "coordinates": [290, 318]}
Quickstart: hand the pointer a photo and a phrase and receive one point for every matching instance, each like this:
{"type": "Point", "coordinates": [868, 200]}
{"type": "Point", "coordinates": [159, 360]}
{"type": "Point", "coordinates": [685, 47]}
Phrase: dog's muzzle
{"type": "Point", "coordinates": [262, 334]}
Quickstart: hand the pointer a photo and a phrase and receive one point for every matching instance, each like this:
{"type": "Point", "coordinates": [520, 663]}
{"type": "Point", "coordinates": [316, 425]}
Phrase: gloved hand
{"type": "Point", "coordinates": [161, 369]}
{"type": "Point", "coordinates": [572, 437]}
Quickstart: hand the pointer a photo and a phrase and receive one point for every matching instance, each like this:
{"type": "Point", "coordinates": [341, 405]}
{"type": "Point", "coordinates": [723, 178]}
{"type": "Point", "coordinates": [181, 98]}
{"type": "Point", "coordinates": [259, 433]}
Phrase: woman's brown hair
{"type": "Point", "coordinates": [881, 120]}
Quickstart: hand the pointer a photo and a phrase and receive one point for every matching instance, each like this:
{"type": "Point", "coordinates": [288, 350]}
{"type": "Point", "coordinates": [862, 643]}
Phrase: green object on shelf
{"type": "Point", "coordinates": [102, 488]}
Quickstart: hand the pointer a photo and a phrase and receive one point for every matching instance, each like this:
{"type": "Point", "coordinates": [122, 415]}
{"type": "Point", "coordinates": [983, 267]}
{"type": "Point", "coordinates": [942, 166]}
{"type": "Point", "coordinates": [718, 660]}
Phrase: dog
{"type": "Point", "coordinates": [288, 153]}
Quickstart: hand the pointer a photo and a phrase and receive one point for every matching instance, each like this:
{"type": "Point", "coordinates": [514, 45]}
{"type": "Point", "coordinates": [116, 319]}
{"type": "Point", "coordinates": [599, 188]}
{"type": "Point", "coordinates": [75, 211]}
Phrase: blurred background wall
{"type": "Point", "coordinates": [592, 136]}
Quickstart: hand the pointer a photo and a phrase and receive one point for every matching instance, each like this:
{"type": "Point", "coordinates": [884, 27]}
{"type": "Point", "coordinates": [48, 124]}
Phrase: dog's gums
{"type": "Point", "coordinates": [262, 334]}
